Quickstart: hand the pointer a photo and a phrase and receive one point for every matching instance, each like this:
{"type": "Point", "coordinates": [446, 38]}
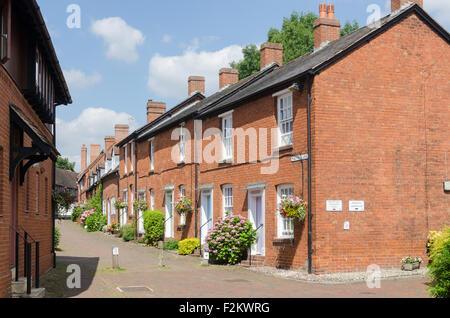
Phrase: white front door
{"type": "Point", "coordinates": [256, 216]}
{"type": "Point", "coordinates": [169, 232]}
{"type": "Point", "coordinates": [109, 211]}
{"type": "Point", "coordinates": [141, 197]}
{"type": "Point", "coordinates": [207, 214]}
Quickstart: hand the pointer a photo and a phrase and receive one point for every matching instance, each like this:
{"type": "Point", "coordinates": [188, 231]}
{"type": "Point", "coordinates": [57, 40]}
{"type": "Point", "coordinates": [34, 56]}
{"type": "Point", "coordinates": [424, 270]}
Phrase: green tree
{"type": "Point", "coordinates": [251, 62]}
{"type": "Point", "coordinates": [65, 164]}
{"type": "Point", "coordinates": [296, 36]}
{"type": "Point", "coordinates": [349, 28]}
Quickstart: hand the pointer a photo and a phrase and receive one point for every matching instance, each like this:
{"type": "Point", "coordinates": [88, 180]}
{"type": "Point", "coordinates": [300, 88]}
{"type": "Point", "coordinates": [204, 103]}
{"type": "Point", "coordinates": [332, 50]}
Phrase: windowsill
{"type": "Point", "coordinates": [283, 241]}
{"type": "Point", "coordinates": [285, 148]}
{"type": "Point", "coordinates": [151, 172]}
{"type": "Point", "coordinates": [181, 163]}
{"type": "Point", "coordinates": [181, 227]}
{"type": "Point", "coordinates": [225, 161]}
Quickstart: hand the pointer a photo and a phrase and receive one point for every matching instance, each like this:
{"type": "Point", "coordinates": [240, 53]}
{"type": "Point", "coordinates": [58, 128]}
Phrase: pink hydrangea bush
{"type": "Point", "coordinates": [85, 215]}
{"type": "Point", "coordinates": [230, 238]}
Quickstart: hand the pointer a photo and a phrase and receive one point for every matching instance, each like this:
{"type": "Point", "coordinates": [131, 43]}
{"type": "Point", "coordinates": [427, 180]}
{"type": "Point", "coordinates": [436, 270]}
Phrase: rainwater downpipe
{"type": "Point", "coordinates": [310, 249]}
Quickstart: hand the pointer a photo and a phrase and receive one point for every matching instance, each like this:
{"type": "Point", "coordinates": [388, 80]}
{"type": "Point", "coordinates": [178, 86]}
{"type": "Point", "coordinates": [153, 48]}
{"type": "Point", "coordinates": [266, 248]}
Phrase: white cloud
{"type": "Point", "coordinates": [122, 40]}
{"type": "Point", "coordinates": [90, 127]}
{"type": "Point", "coordinates": [167, 38]}
{"type": "Point", "coordinates": [438, 9]}
{"type": "Point", "coordinates": [77, 79]}
{"type": "Point", "coordinates": [168, 75]}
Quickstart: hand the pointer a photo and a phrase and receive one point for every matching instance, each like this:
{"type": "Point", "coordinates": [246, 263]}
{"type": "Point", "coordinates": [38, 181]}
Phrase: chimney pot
{"type": "Point", "coordinates": [109, 141]}
{"type": "Point", "coordinates": [397, 4]}
{"type": "Point", "coordinates": [271, 53]}
{"type": "Point", "coordinates": [196, 84]}
{"type": "Point", "coordinates": [326, 27]}
{"type": "Point", "coordinates": [228, 76]}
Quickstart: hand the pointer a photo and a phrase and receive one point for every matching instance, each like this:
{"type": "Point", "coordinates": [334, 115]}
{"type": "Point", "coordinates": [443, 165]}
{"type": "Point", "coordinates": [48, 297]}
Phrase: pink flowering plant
{"type": "Point", "coordinates": [230, 238]}
{"type": "Point", "coordinates": [183, 205]}
{"type": "Point", "coordinates": [85, 215]}
{"type": "Point", "coordinates": [293, 207]}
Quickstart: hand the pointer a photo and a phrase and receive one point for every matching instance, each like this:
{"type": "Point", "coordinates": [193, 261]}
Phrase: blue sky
{"type": "Point", "coordinates": [124, 54]}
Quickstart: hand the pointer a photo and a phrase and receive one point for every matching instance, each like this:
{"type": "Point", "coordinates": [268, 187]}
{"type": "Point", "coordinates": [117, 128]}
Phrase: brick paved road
{"type": "Point", "coordinates": [184, 276]}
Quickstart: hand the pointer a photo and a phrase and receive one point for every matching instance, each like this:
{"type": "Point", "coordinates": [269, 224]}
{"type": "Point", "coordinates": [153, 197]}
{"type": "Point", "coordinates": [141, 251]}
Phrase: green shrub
{"type": "Point", "coordinates": [230, 238]}
{"type": "Point", "coordinates": [95, 222]}
{"type": "Point", "coordinates": [154, 226]}
{"type": "Point", "coordinates": [439, 246]}
{"type": "Point", "coordinates": [57, 237]}
{"type": "Point", "coordinates": [96, 201]}
{"type": "Point", "coordinates": [171, 245]}
{"type": "Point", "coordinates": [76, 213]}
{"type": "Point", "coordinates": [128, 232]}
{"type": "Point", "coordinates": [142, 240]}
{"type": "Point", "coordinates": [188, 246]}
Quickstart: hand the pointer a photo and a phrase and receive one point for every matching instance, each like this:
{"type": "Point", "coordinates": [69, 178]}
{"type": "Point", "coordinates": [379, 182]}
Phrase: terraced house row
{"type": "Point", "coordinates": [358, 128]}
{"type": "Point", "coordinates": [32, 85]}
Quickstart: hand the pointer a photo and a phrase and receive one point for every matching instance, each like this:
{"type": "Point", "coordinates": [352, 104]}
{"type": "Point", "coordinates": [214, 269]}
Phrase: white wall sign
{"type": "Point", "coordinates": [334, 205]}
{"type": "Point", "coordinates": [206, 255]}
{"type": "Point", "coordinates": [346, 225]}
{"type": "Point", "coordinates": [447, 186]}
{"type": "Point", "coordinates": [115, 251]}
{"type": "Point", "coordinates": [356, 206]}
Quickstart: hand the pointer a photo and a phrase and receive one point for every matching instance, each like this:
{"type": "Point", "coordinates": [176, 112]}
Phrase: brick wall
{"type": "Point", "coordinates": [38, 222]}
{"type": "Point", "coordinates": [380, 134]}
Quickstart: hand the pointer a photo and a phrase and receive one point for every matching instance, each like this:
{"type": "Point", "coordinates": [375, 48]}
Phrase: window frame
{"type": "Point", "coordinates": [5, 31]}
{"type": "Point", "coordinates": [182, 144]}
{"type": "Point", "coordinates": [131, 155]}
{"type": "Point", "coordinates": [152, 154]}
{"type": "Point", "coordinates": [281, 220]}
{"type": "Point", "coordinates": [126, 158]}
{"type": "Point", "coordinates": [227, 139]}
{"type": "Point", "coordinates": [289, 121]}
{"type": "Point", "coordinates": [226, 196]}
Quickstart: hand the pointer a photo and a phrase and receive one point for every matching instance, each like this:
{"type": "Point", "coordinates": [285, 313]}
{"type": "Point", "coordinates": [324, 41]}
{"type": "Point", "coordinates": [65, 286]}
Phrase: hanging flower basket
{"type": "Point", "coordinates": [183, 205]}
{"type": "Point", "coordinates": [120, 204]}
{"type": "Point", "coordinates": [293, 207]}
{"type": "Point", "coordinates": [140, 205]}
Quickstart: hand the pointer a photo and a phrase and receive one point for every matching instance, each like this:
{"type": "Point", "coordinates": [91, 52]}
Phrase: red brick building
{"type": "Point", "coordinates": [358, 128]}
{"type": "Point", "coordinates": [31, 86]}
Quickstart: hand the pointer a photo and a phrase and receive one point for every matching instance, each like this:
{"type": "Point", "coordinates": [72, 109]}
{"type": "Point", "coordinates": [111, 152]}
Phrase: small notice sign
{"type": "Point", "coordinates": [115, 251]}
{"type": "Point", "coordinates": [334, 205]}
{"type": "Point", "coordinates": [356, 206]}
{"type": "Point", "coordinates": [206, 255]}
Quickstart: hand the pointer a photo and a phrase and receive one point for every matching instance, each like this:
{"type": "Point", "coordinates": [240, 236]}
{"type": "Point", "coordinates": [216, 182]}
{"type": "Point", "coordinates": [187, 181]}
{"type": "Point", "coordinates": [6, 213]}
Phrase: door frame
{"type": "Point", "coordinates": [203, 216]}
{"type": "Point", "coordinates": [166, 216]}
{"type": "Point", "coordinates": [251, 216]}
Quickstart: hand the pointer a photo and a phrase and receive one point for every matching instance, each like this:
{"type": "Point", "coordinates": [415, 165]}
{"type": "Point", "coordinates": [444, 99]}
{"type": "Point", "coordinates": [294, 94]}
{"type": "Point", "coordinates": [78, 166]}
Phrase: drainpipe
{"type": "Point", "coordinates": [53, 189]}
{"type": "Point", "coordinates": [135, 191]}
{"type": "Point", "coordinates": [118, 191]}
{"type": "Point", "coordinates": [196, 179]}
{"type": "Point", "coordinates": [310, 249]}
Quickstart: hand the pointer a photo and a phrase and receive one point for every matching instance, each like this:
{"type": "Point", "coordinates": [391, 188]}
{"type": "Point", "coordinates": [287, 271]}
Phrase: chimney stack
{"type": "Point", "coordinates": [95, 151]}
{"type": "Point", "coordinates": [271, 53]}
{"type": "Point", "coordinates": [196, 84]}
{"type": "Point", "coordinates": [396, 4]}
{"type": "Point", "coordinates": [109, 141]}
{"type": "Point", "coordinates": [154, 110]}
{"type": "Point", "coordinates": [228, 76]}
{"type": "Point", "coordinates": [83, 158]}
{"type": "Point", "coordinates": [121, 131]}
{"type": "Point", "coordinates": [326, 27]}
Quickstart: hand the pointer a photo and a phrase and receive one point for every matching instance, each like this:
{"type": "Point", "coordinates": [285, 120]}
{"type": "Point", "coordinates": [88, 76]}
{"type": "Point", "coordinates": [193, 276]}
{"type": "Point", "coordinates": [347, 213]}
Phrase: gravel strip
{"type": "Point", "coordinates": [335, 278]}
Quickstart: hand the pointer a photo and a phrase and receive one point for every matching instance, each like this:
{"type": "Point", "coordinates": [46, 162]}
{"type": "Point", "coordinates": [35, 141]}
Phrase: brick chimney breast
{"type": "Point", "coordinates": [196, 84]}
{"type": "Point", "coordinates": [109, 141]}
{"type": "Point", "coordinates": [396, 4]}
{"type": "Point", "coordinates": [154, 110]}
{"type": "Point", "coordinates": [121, 131]}
{"type": "Point", "coordinates": [228, 76]}
{"type": "Point", "coordinates": [95, 151]}
{"type": "Point", "coordinates": [83, 158]}
{"type": "Point", "coordinates": [326, 27]}
{"type": "Point", "coordinates": [271, 53]}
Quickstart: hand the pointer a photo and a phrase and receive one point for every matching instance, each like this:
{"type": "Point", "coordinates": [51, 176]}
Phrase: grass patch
{"type": "Point", "coordinates": [55, 282]}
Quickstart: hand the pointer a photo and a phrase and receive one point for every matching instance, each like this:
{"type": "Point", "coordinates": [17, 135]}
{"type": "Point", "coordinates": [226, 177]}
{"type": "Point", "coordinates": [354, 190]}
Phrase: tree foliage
{"type": "Point", "coordinates": [349, 28]}
{"type": "Point", "coordinates": [297, 37]}
{"type": "Point", "coordinates": [65, 164]}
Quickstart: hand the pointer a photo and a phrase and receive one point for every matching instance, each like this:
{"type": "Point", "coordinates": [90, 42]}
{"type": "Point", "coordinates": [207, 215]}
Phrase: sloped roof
{"type": "Point", "coordinates": [66, 178]}
{"type": "Point", "coordinates": [314, 62]}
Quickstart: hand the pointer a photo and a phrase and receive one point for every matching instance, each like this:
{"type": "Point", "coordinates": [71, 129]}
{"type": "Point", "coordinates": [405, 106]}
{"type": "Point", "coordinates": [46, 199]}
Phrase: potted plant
{"type": "Point", "coordinates": [293, 207]}
{"type": "Point", "coordinates": [183, 206]}
{"type": "Point", "coordinates": [411, 263]}
{"type": "Point", "coordinates": [140, 205]}
{"type": "Point", "coordinates": [112, 229]}
{"type": "Point", "coordinates": [120, 204]}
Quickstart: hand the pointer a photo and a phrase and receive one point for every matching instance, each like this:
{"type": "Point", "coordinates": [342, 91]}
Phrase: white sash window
{"type": "Point", "coordinates": [285, 225]}
{"type": "Point", "coordinates": [285, 120]}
